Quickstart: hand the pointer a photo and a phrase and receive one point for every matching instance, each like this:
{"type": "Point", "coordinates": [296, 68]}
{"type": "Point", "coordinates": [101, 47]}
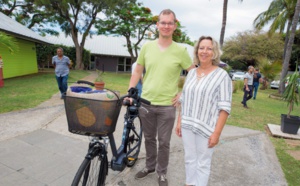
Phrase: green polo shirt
{"type": "Point", "coordinates": [160, 83]}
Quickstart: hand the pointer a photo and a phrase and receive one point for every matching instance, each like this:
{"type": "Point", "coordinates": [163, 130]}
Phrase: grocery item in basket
{"type": "Point", "coordinates": [85, 117]}
{"type": "Point", "coordinates": [80, 89]}
{"type": "Point", "coordinates": [96, 95]}
{"type": "Point", "coordinates": [107, 121]}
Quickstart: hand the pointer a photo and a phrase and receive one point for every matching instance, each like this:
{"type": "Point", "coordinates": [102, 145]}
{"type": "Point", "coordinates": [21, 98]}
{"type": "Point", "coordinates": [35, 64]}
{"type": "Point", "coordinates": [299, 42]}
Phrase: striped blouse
{"type": "Point", "coordinates": [203, 99]}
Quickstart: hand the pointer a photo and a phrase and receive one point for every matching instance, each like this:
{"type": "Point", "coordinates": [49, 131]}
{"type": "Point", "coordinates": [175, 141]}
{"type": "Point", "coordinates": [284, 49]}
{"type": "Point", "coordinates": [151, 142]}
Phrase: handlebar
{"type": "Point", "coordinates": [85, 82]}
{"type": "Point", "coordinates": [133, 93]}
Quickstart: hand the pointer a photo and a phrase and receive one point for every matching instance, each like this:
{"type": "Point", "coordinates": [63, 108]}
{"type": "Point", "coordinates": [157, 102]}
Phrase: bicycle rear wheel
{"type": "Point", "coordinates": [134, 142]}
{"type": "Point", "coordinates": [92, 171]}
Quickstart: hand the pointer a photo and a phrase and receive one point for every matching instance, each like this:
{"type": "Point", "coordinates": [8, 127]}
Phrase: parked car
{"type": "Point", "coordinates": [231, 72]}
{"type": "Point", "coordinates": [237, 76]}
{"type": "Point", "coordinates": [275, 84]}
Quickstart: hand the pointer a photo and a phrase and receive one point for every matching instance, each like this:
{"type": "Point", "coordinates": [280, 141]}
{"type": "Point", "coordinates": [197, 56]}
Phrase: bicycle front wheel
{"type": "Point", "coordinates": [92, 172]}
{"type": "Point", "coordinates": [134, 142]}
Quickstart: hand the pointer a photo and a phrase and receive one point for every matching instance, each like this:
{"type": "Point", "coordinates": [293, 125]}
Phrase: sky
{"type": "Point", "coordinates": [204, 17]}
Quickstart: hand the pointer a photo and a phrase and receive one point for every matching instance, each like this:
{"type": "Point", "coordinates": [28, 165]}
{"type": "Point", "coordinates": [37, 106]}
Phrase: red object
{"type": "Point", "coordinates": [1, 78]}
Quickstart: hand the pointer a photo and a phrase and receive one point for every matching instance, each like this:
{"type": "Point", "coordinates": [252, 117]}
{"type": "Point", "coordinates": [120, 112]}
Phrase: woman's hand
{"type": "Point", "coordinates": [213, 140]}
{"type": "Point", "coordinates": [178, 129]}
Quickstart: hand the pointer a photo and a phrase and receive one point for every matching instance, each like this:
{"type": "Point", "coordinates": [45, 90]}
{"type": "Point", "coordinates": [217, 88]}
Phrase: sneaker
{"type": "Point", "coordinates": [162, 180]}
{"type": "Point", "coordinates": [143, 173]}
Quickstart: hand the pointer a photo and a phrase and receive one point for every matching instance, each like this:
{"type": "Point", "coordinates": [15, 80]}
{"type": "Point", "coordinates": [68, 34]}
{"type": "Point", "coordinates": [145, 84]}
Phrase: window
{"type": "Point", "coordinates": [124, 64]}
{"type": "Point", "coordinates": [92, 58]}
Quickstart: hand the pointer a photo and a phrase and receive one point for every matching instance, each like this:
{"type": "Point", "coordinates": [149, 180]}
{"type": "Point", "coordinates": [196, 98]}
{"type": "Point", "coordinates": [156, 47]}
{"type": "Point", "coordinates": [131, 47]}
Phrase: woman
{"type": "Point", "coordinates": [205, 106]}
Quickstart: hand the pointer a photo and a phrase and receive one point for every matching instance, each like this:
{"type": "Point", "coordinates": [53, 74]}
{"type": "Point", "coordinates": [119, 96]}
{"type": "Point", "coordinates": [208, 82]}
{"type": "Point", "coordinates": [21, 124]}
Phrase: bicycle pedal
{"type": "Point", "coordinates": [131, 158]}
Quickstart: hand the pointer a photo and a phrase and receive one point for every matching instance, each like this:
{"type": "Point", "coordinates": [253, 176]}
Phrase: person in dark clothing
{"type": "Point", "coordinates": [248, 86]}
{"type": "Point", "coordinates": [256, 80]}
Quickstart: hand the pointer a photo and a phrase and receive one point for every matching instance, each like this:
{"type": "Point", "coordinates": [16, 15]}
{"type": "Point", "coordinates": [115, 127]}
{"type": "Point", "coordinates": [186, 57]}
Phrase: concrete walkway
{"type": "Point", "coordinates": [36, 149]}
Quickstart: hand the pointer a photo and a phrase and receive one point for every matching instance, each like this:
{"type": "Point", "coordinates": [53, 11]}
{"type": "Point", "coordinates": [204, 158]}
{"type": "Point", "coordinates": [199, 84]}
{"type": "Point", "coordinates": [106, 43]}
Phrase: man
{"type": "Point", "coordinates": [61, 64]}
{"type": "Point", "coordinates": [256, 81]}
{"type": "Point", "coordinates": [248, 86]}
{"type": "Point", "coordinates": [164, 60]}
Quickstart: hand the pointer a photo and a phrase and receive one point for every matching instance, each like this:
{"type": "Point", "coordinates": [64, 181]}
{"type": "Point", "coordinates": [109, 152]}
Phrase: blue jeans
{"type": "Point", "coordinates": [255, 88]}
{"type": "Point", "coordinates": [247, 95]}
{"type": "Point", "coordinates": [62, 82]}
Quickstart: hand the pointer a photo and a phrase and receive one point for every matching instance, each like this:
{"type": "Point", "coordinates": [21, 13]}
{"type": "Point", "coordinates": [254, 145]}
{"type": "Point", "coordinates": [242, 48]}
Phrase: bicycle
{"type": "Point", "coordinates": [94, 168]}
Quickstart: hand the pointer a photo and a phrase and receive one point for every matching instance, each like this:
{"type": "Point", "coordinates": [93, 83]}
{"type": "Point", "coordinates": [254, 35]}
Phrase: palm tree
{"type": "Point", "coordinates": [8, 42]}
{"type": "Point", "coordinates": [290, 43]}
{"type": "Point", "coordinates": [281, 12]}
{"type": "Point", "coordinates": [268, 69]}
{"type": "Point", "coordinates": [224, 20]}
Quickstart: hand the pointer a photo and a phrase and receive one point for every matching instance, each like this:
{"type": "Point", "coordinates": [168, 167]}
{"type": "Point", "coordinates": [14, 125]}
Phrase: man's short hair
{"type": "Point", "coordinates": [167, 12]}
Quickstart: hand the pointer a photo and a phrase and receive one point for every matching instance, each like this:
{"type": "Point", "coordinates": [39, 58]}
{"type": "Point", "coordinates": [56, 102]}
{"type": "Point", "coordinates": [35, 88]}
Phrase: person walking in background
{"type": "Point", "coordinates": [205, 105]}
{"type": "Point", "coordinates": [256, 80]}
{"type": "Point", "coordinates": [248, 86]}
{"type": "Point", "coordinates": [164, 59]}
{"type": "Point", "coordinates": [139, 85]}
{"type": "Point", "coordinates": [61, 64]}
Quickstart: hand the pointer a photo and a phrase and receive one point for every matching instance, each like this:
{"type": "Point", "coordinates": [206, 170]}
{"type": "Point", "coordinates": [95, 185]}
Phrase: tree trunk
{"type": "Point", "coordinates": [288, 28]}
{"type": "Point", "coordinates": [225, 3]}
{"type": "Point", "coordinates": [289, 47]}
{"type": "Point", "coordinates": [79, 55]}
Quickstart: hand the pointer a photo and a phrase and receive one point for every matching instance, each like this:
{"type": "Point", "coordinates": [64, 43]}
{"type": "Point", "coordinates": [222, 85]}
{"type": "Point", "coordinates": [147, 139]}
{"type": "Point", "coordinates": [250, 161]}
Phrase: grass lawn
{"type": "Point", "coordinates": [30, 91]}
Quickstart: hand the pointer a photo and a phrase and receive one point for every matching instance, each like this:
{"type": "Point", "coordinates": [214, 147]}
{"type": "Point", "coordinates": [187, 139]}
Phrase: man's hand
{"type": "Point", "coordinates": [175, 100]}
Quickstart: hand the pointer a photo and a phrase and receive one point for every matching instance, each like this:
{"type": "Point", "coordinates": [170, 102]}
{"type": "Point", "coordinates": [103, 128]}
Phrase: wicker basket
{"type": "Point", "coordinates": [91, 117]}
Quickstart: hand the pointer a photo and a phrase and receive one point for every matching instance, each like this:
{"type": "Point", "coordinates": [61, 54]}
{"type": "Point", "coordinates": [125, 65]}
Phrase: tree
{"type": "Point", "coordinates": [28, 14]}
{"type": "Point", "coordinates": [281, 13]}
{"type": "Point", "coordinates": [247, 47]}
{"type": "Point", "coordinates": [8, 42]}
{"type": "Point", "coordinates": [224, 20]}
{"type": "Point", "coordinates": [295, 56]}
{"type": "Point", "coordinates": [131, 22]}
{"type": "Point", "coordinates": [269, 69]}
{"type": "Point", "coordinates": [77, 17]}
{"type": "Point", "coordinates": [289, 46]}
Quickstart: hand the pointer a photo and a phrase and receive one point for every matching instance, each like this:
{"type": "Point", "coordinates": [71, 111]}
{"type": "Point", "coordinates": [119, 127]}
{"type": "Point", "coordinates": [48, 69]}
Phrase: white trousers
{"type": "Point", "coordinates": [197, 158]}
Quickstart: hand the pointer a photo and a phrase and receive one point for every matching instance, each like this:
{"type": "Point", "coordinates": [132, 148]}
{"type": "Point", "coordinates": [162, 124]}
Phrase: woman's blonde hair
{"type": "Point", "coordinates": [216, 51]}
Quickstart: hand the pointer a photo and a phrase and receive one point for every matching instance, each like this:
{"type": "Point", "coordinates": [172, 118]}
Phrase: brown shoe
{"type": "Point", "coordinates": [143, 173]}
{"type": "Point", "coordinates": [162, 180]}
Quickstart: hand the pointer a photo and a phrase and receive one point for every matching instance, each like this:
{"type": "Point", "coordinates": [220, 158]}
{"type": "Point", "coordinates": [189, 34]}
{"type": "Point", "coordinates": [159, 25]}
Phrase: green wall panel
{"type": "Point", "coordinates": [22, 62]}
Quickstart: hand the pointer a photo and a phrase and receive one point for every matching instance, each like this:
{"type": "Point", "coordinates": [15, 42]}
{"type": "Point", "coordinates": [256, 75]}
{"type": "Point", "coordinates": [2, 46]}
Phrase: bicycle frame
{"type": "Point", "coordinates": [97, 147]}
{"type": "Point", "coordinates": [117, 162]}
{"type": "Point", "coordinates": [127, 152]}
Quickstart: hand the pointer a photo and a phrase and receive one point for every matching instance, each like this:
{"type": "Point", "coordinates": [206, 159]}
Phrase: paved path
{"type": "Point", "coordinates": [36, 149]}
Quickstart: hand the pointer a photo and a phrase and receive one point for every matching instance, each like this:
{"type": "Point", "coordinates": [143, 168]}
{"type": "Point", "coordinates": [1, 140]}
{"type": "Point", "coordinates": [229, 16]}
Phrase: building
{"type": "Point", "coordinates": [106, 51]}
{"type": "Point", "coordinates": [23, 61]}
